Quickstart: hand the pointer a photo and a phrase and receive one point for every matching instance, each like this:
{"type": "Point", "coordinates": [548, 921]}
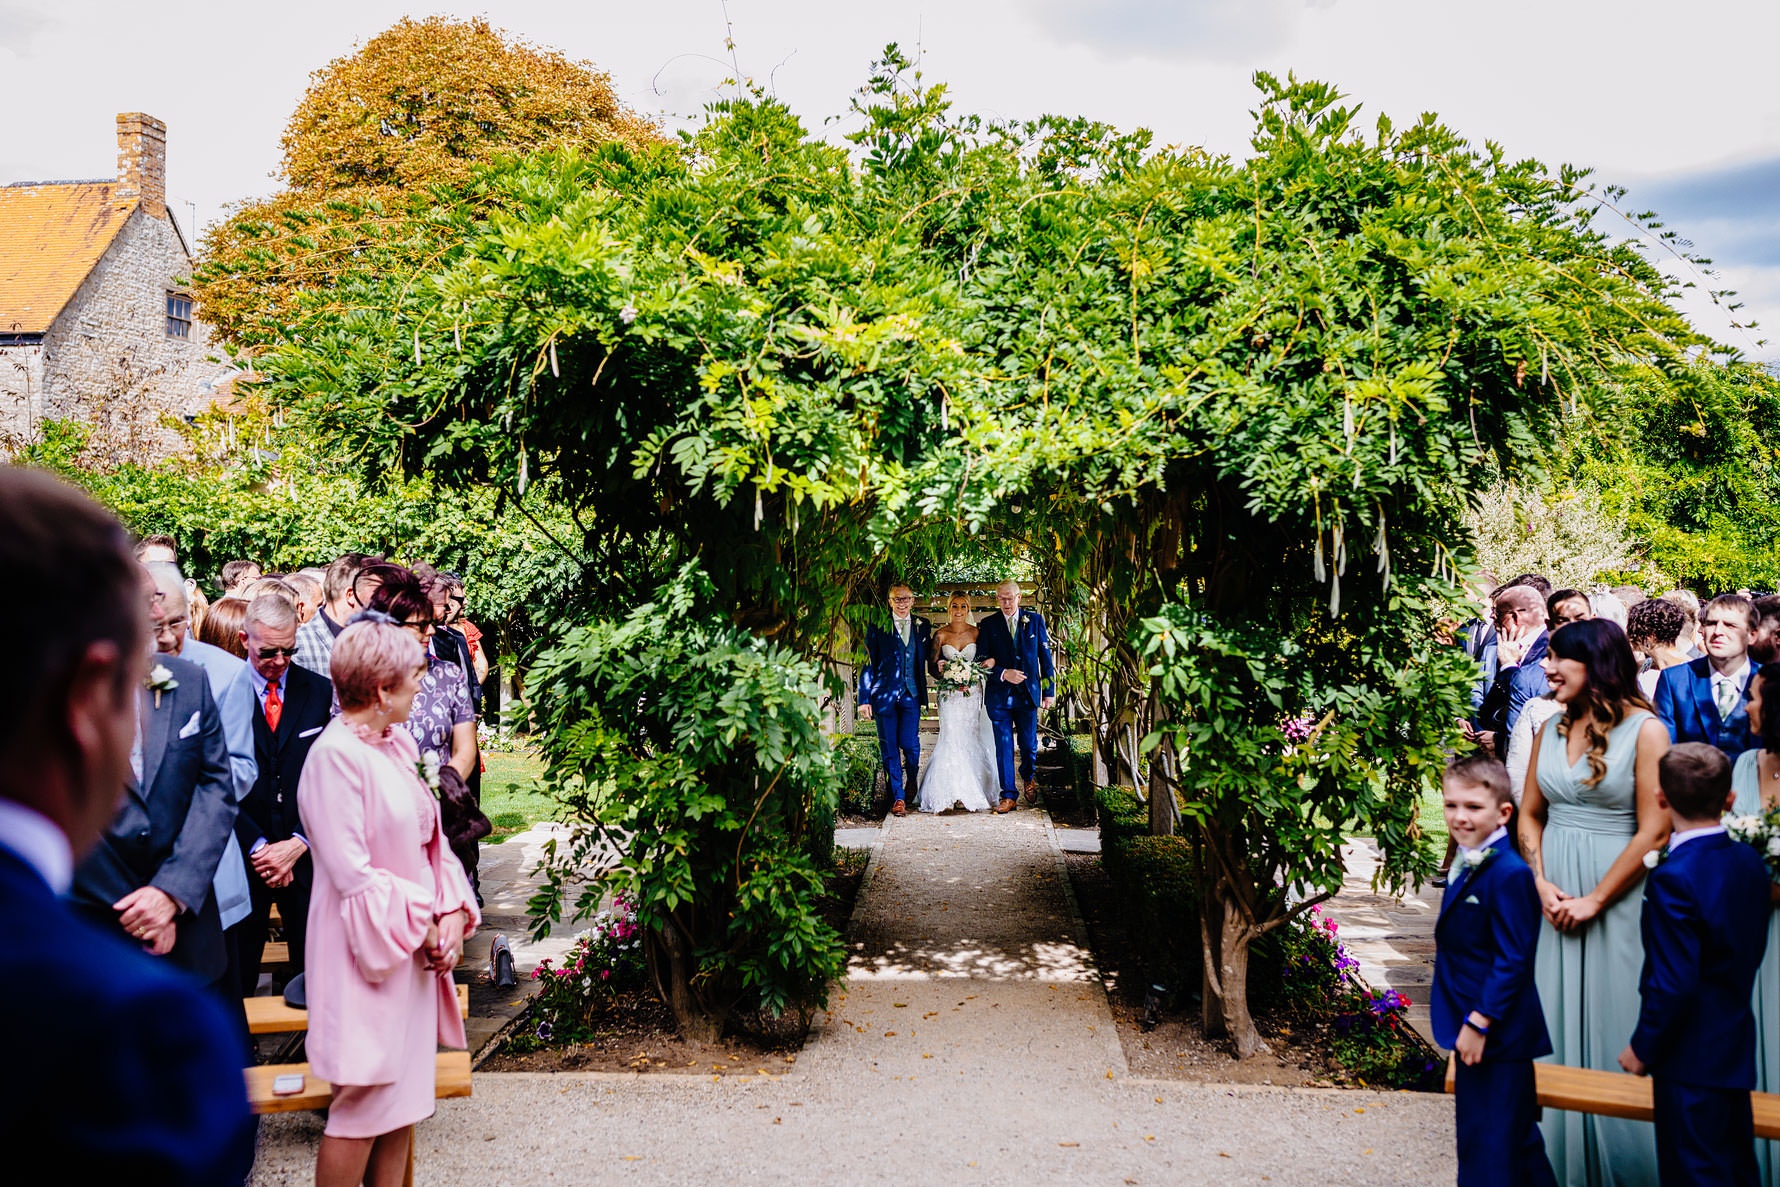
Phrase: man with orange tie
{"type": "Point", "coordinates": [292, 706]}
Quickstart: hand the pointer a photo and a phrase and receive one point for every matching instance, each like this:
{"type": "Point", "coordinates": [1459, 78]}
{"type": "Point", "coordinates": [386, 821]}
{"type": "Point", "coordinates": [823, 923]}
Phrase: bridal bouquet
{"type": "Point", "coordinates": [961, 675]}
{"type": "Point", "coordinates": [1762, 831]}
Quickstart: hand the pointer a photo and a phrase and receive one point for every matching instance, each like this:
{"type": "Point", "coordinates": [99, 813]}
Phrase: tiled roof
{"type": "Point", "coordinates": [51, 235]}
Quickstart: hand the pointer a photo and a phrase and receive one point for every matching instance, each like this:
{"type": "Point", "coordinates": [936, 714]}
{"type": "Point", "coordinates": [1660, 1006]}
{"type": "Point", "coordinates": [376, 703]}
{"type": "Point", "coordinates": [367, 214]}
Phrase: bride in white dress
{"type": "Point", "coordinates": [962, 771]}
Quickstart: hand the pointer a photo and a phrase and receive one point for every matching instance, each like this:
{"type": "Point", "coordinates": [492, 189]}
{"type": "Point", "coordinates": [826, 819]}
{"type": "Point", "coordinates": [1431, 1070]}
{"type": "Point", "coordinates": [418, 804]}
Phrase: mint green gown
{"type": "Point", "coordinates": [1588, 980]}
{"type": "Point", "coordinates": [1746, 782]}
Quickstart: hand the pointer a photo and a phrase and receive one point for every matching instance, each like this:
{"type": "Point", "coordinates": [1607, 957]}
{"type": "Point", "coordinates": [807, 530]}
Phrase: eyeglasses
{"type": "Point", "coordinates": [423, 625]}
{"type": "Point", "coordinates": [171, 626]}
{"type": "Point", "coordinates": [275, 652]}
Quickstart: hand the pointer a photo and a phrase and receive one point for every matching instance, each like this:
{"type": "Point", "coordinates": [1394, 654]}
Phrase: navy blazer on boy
{"type": "Point", "coordinates": [1487, 932]}
{"type": "Point", "coordinates": [127, 1071]}
{"type": "Point", "coordinates": [173, 823]}
{"type": "Point", "coordinates": [1685, 705]}
{"type": "Point", "coordinates": [1705, 927]}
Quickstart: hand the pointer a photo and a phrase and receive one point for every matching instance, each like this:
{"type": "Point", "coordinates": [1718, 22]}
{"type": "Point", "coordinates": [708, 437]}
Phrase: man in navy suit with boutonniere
{"type": "Point", "coordinates": [893, 687]}
{"type": "Point", "coordinates": [125, 1070]}
{"type": "Point", "coordinates": [1706, 699]}
{"type": "Point", "coordinates": [1022, 682]}
{"type": "Point", "coordinates": [1705, 928]}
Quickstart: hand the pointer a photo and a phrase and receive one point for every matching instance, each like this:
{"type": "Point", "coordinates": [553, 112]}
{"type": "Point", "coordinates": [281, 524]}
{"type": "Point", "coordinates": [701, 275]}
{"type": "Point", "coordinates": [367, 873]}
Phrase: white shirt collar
{"type": "Point", "coordinates": [1677, 840]}
{"type": "Point", "coordinates": [1739, 674]}
{"type": "Point", "coordinates": [1501, 833]}
{"type": "Point", "coordinates": [38, 843]}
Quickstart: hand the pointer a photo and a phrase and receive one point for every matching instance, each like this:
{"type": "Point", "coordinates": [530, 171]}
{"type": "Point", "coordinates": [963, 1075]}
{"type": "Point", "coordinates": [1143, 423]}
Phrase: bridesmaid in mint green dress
{"type": "Point", "coordinates": [1756, 780]}
{"type": "Point", "coordinates": [1588, 817]}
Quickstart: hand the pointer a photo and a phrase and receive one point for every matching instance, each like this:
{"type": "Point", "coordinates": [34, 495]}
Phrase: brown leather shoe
{"type": "Point", "coordinates": [1005, 806]}
{"type": "Point", "coordinates": [1032, 791]}
{"type": "Point", "coordinates": [897, 809]}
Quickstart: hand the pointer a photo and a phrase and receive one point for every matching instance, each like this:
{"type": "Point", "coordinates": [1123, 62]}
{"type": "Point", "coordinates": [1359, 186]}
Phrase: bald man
{"type": "Point", "coordinates": [1521, 643]}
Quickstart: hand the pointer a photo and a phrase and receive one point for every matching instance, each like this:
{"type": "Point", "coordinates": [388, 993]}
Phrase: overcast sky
{"type": "Point", "coordinates": [1676, 102]}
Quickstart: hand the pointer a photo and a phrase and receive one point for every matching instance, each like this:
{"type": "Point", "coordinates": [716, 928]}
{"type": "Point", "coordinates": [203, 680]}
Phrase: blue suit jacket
{"type": "Point", "coordinates": [1705, 929]}
{"type": "Point", "coordinates": [1685, 705]}
{"type": "Point", "coordinates": [1511, 690]}
{"type": "Point", "coordinates": [1029, 653]}
{"type": "Point", "coordinates": [880, 682]}
{"type": "Point", "coordinates": [126, 1070]}
{"type": "Point", "coordinates": [1487, 933]}
{"type": "Point", "coordinates": [173, 825]}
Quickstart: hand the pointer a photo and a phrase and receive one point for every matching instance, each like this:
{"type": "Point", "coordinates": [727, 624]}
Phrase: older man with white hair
{"type": "Point", "coordinates": [291, 707]}
{"type": "Point", "coordinates": [1022, 682]}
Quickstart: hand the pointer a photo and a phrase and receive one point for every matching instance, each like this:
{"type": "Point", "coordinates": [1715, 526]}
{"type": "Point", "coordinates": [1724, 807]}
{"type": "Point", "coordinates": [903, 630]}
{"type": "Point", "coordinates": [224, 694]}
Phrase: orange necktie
{"type": "Point", "coordinates": [274, 707]}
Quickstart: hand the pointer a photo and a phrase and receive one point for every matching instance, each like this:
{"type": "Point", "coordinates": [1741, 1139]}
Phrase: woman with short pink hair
{"type": "Point", "coordinates": [387, 916]}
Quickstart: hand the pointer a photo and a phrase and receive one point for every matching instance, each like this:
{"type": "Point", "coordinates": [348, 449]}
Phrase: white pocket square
{"type": "Point", "coordinates": [190, 728]}
{"type": "Point", "coordinates": [310, 733]}
{"type": "Point", "coordinates": [1471, 898]}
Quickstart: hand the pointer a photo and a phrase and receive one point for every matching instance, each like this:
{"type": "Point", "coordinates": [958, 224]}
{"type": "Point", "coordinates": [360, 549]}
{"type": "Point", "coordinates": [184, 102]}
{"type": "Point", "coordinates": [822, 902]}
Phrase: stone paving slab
{"type": "Point", "coordinates": [1392, 938]}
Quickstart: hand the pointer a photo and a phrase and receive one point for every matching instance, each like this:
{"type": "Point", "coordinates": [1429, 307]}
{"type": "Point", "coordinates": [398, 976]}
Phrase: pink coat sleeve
{"type": "Point", "coordinates": [385, 917]}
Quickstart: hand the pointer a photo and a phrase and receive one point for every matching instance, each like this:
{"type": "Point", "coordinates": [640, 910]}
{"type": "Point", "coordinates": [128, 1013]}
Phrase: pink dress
{"type": "Point", "coordinates": [383, 874]}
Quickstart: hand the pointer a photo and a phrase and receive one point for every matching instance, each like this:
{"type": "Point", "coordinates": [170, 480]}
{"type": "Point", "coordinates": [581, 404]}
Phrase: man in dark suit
{"type": "Point", "coordinates": [291, 707]}
{"type": "Point", "coordinates": [1521, 644]}
{"type": "Point", "coordinates": [893, 686]}
{"type": "Point", "coordinates": [125, 1069]}
{"type": "Point", "coordinates": [1023, 682]}
{"type": "Point", "coordinates": [1705, 928]}
{"type": "Point", "coordinates": [149, 878]}
{"type": "Point", "coordinates": [1706, 699]}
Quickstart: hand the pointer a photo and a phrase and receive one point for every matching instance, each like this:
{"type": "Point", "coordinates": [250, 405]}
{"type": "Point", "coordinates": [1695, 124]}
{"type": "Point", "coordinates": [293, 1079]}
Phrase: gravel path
{"type": "Point", "coordinates": [970, 1043]}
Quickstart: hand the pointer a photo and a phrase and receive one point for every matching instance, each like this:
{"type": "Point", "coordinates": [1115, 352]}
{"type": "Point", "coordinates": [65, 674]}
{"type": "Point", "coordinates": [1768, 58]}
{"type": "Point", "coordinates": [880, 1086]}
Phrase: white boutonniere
{"type": "Point", "coordinates": [160, 680]}
{"type": "Point", "coordinates": [1470, 860]}
{"type": "Point", "coordinates": [428, 769]}
{"type": "Point", "coordinates": [1656, 857]}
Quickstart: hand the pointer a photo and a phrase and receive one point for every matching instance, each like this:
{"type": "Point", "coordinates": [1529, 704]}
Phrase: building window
{"type": "Point", "coordinates": [179, 315]}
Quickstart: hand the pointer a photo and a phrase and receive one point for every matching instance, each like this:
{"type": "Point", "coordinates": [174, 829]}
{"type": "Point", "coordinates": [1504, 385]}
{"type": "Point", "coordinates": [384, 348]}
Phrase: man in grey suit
{"type": "Point", "coordinates": [150, 874]}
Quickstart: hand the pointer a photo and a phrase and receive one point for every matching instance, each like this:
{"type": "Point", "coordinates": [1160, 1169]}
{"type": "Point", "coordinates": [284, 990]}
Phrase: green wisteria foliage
{"type": "Point", "coordinates": [1228, 407]}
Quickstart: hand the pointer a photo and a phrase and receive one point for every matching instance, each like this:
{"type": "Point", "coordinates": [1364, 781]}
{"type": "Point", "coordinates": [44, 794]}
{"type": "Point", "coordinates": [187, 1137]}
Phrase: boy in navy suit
{"type": "Point", "coordinates": [1705, 931]}
{"type": "Point", "coordinates": [1483, 1004]}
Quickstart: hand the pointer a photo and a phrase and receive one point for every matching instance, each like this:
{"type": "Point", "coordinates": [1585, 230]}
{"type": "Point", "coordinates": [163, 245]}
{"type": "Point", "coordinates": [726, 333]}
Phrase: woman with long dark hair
{"type": "Point", "coordinates": [1588, 816]}
{"type": "Point", "coordinates": [1756, 780]}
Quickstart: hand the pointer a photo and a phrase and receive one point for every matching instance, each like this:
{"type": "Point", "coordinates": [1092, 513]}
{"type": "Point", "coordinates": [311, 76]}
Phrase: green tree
{"type": "Point", "coordinates": [1234, 411]}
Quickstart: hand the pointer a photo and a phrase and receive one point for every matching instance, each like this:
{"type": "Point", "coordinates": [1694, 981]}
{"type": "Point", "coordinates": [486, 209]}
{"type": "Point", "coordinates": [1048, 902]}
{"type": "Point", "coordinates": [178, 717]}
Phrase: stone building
{"type": "Point", "coordinates": [96, 324]}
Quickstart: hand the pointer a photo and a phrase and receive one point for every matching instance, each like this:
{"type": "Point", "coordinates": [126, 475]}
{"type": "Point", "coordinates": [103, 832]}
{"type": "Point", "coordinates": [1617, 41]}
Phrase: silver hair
{"type": "Point", "coordinates": [170, 581]}
{"type": "Point", "coordinates": [270, 609]}
{"type": "Point", "coordinates": [1009, 584]}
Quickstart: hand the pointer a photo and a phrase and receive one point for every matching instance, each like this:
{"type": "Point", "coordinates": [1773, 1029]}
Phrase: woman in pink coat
{"type": "Point", "coordinates": [387, 916]}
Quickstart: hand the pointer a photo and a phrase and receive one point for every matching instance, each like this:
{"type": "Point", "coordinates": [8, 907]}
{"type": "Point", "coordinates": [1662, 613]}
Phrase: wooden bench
{"type": "Point", "coordinates": [270, 1016]}
{"type": "Point", "coordinates": [277, 952]}
{"type": "Point", "coordinates": [1617, 1094]}
{"type": "Point", "coordinates": [453, 1072]}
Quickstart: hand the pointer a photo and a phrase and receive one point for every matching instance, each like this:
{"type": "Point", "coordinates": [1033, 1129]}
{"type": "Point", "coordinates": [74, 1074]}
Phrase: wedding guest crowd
{"type": "Point", "coordinates": [1584, 694]}
{"type": "Point", "coordinates": [167, 777]}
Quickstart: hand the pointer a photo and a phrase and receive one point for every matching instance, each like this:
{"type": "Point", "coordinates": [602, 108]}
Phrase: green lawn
{"type": "Point", "coordinates": [510, 794]}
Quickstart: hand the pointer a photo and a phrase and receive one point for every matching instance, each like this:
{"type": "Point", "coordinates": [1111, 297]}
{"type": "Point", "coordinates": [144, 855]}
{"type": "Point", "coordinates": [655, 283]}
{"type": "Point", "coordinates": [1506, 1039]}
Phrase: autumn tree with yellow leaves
{"type": "Point", "coordinates": [385, 141]}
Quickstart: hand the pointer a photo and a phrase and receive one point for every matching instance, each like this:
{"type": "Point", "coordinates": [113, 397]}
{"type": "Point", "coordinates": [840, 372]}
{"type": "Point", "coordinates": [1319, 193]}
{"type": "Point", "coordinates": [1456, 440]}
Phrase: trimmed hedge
{"type": "Point", "coordinates": [1158, 896]}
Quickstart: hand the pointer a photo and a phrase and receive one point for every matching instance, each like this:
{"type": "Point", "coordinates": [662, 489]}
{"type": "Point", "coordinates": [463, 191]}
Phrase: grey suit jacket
{"type": "Point", "coordinates": [172, 826]}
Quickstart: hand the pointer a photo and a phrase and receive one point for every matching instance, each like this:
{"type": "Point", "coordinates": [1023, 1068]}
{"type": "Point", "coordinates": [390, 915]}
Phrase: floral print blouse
{"type": "Point", "coordinates": [442, 703]}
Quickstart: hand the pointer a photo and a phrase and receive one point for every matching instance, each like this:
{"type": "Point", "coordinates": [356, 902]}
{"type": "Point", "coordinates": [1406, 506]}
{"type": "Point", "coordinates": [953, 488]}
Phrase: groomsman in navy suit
{"type": "Point", "coordinates": [1483, 1003]}
{"type": "Point", "coordinates": [1022, 682]}
{"type": "Point", "coordinates": [1706, 699]}
{"type": "Point", "coordinates": [1705, 931]}
{"type": "Point", "coordinates": [893, 686]}
{"type": "Point", "coordinates": [124, 1070]}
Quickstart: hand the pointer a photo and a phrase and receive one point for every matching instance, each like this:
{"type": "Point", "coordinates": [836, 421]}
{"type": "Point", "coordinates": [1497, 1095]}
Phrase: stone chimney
{"type": "Point", "coordinates": [142, 161]}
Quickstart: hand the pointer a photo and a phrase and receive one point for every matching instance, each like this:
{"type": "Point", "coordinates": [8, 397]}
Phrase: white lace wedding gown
{"type": "Point", "coordinates": [962, 769]}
